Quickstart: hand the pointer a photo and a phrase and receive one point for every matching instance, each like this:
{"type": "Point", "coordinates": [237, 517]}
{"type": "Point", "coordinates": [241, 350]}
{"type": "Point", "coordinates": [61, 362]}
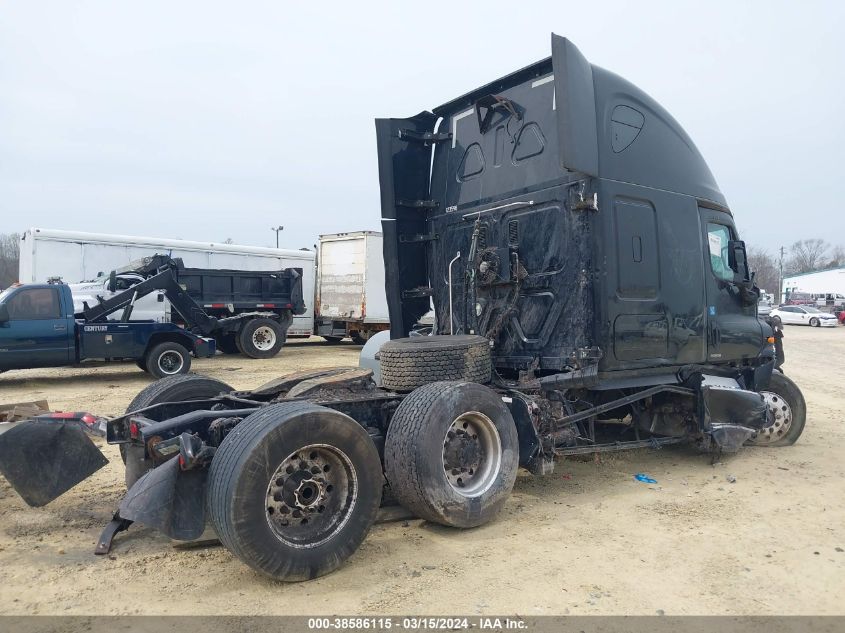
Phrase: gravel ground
{"type": "Point", "coordinates": [588, 539]}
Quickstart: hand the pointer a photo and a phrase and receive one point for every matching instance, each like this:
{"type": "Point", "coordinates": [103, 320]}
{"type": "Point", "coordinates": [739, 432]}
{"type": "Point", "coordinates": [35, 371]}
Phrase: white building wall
{"type": "Point", "coordinates": [825, 281]}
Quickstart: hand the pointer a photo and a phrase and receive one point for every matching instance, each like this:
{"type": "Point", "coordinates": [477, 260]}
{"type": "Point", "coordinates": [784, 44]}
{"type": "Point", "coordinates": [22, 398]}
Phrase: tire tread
{"type": "Point", "coordinates": [406, 427]}
{"type": "Point", "coordinates": [415, 482]}
{"type": "Point", "coordinates": [407, 364]}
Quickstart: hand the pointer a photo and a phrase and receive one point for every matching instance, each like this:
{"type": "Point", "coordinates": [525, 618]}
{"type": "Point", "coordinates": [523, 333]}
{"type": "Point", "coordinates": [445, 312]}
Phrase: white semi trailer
{"type": "Point", "coordinates": [350, 299]}
{"type": "Point", "coordinates": [76, 256]}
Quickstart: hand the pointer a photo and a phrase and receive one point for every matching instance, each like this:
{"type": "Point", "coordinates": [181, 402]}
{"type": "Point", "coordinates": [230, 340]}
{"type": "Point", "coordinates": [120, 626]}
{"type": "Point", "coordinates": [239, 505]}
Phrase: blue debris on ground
{"type": "Point", "coordinates": [644, 478]}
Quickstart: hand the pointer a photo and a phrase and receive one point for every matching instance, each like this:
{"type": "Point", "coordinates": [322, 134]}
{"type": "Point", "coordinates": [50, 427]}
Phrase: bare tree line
{"type": "Point", "coordinates": [10, 250]}
{"type": "Point", "coordinates": [802, 257]}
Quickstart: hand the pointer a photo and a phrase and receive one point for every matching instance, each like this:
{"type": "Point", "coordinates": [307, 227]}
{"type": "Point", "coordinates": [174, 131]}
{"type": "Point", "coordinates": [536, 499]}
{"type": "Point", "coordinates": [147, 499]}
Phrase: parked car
{"type": "Point", "coordinates": [804, 315]}
{"type": "Point", "coordinates": [764, 308]}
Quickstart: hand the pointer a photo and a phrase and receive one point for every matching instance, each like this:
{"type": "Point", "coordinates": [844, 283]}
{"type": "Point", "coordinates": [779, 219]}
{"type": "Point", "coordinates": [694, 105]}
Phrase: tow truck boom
{"type": "Point", "coordinates": [165, 281]}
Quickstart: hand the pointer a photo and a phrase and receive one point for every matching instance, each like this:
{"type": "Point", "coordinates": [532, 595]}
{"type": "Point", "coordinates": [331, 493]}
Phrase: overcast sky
{"type": "Point", "coordinates": [208, 120]}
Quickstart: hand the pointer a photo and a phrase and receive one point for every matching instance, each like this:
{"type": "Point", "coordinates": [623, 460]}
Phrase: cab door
{"type": "Point", "coordinates": [38, 332]}
{"type": "Point", "coordinates": [788, 314]}
{"type": "Point", "coordinates": [733, 330]}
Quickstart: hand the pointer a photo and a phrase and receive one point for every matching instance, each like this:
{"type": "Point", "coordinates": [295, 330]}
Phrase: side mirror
{"type": "Point", "coordinates": [737, 260]}
{"type": "Point", "coordinates": [4, 313]}
{"type": "Point", "coordinates": [112, 282]}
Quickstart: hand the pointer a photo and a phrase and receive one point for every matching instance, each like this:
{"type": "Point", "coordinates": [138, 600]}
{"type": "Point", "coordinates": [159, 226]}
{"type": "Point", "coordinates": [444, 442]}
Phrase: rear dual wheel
{"type": "Point", "coordinates": [294, 489]}
{"type": "Point", "coordinates": [452, 453]}
{"type": "Point", "coordinates": [261, 338]}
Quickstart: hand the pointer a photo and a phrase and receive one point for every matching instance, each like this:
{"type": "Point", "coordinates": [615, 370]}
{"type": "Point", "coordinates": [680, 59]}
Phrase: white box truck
{"type": "Point", "coordinates": [351, 299]}
{"type": "Point", "coordinates": [78, 256]}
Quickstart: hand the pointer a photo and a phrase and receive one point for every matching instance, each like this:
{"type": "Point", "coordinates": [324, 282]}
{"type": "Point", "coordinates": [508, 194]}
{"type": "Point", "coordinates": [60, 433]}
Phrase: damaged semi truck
{"type": "Point", "coordinates": [591, 294]}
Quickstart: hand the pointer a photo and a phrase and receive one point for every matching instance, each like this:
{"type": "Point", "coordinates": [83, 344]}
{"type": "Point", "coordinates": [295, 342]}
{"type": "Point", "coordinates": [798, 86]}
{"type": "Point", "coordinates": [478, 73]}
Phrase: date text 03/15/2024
{"type": "Point", "coordinates": [417, 623]}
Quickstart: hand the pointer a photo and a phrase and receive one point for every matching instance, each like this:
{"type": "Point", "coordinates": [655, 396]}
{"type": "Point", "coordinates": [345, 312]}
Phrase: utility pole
{"type": "Point", "coordinates": [780, 275]}
{"type": "Point", "coordinates": [277, 229]}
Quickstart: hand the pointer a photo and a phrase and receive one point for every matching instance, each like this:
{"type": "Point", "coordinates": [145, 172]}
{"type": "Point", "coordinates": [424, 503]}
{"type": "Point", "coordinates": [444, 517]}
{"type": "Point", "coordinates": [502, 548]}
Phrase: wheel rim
{"type": "Point", "coordinates": [814, 322]}
{"type": "Point", "coordinates": [264, 338]}
{"type": "Point", "coordinates": [779, 419]}
{"type": "Point", "coordinates": [472, 454]}
{"type": "Point", "coordinates": [170, 362]}
{"type": "Point", "coordinates": [311, 495]}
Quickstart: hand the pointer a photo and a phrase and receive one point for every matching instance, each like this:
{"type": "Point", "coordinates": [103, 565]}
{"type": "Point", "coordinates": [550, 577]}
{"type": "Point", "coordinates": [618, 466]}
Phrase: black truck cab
{"type": "Point", "coordinates": [580, 223]}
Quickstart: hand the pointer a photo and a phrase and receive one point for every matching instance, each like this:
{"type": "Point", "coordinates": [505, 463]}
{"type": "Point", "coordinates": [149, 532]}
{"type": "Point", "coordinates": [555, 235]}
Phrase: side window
{"type": "Point", "coordinates": [718, 236]}
{"type": "Point", "coordinates": [36, 303]}
{"type": "Point", "coordinates": [125, 283]}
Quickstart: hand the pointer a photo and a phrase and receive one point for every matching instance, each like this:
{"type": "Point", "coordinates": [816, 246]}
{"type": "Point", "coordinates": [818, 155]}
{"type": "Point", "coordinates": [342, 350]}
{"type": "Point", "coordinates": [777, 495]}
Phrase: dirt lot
{"type": "Point", "coordinates": [588, 539]}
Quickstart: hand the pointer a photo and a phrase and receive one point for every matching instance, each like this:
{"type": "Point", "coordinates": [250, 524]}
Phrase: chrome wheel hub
{"type": "Point", "coordinates": [472, 454]}
{"type": "Point", "coordinates": [311, 495]}
{"type": "Point", "coordinates": [779, 419]}
{"type": "Point", "coordinates": [264, 338]}
{"type": "Point", "coordinates": [170, 362]}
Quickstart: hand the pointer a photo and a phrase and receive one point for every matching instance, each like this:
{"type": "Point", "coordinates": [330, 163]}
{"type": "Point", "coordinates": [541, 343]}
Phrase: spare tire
{"type": "Point", "coordinates": [408, 363]}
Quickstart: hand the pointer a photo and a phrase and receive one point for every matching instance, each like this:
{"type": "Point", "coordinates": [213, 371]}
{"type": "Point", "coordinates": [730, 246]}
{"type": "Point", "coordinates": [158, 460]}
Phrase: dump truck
{"type": "Point", "coordinates": [591, 294]}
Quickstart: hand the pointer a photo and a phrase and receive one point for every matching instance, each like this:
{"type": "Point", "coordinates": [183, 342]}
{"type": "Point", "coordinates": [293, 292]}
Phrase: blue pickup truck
{"type": "Point", "coordinates": [38, 329]}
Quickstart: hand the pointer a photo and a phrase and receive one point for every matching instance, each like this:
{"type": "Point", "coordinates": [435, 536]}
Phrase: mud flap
{"type": "Point", "coordinates": [43, 459]}
{"type": "Point", "coordinates": [732, 416]}
{"type": "Point", "coordinates": [170, 500]}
